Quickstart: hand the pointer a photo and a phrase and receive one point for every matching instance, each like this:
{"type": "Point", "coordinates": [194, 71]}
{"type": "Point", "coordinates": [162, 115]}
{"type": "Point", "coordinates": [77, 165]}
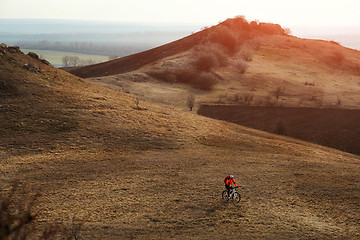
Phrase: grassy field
{"type": "Point", "coordinates": [54, 57]}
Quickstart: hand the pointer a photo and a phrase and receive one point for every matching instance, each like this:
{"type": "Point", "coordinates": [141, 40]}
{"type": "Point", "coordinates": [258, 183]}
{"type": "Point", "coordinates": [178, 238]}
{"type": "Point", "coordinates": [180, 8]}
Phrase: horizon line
{"type": "Point", "coordinates": [168, 23]}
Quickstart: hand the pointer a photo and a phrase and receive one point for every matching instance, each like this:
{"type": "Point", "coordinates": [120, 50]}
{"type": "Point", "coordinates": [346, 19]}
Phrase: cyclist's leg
{"type": "Point", "coordinates": [228, 190]}
{"type": "Point", "coordinates": [231, 191]}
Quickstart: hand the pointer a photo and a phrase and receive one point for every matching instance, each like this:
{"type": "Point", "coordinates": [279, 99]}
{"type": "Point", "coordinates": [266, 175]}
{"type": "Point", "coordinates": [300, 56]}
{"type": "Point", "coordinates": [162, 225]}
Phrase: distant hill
{"type": "Point", "coordinates": [227, 34]}
{"type": "Point", "coordinates": [241, 58]}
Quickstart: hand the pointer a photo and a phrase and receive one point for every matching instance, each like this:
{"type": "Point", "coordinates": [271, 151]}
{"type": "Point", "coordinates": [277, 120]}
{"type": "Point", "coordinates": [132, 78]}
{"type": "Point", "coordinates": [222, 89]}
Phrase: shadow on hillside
{"type": "Point", "coordinates": [336, 128]}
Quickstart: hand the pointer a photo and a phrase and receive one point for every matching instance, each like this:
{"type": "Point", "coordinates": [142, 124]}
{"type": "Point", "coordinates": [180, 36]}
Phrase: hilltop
{"type": "Point", "coordinates": [128, 169]}
{"type": "Point", "coordinates": [227, 35]}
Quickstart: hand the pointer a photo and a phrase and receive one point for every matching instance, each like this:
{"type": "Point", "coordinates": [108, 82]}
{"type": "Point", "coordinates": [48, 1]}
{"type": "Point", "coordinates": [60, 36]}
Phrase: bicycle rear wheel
{"type": "Point", "coordinates": [236, 197]}
{"type": "Point", "coordinates": [225, 195]}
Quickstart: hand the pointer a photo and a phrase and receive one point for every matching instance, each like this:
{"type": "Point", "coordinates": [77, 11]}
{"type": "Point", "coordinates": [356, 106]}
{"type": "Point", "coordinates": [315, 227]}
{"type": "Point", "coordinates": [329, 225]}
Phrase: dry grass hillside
{"type": "Point", "coordinates": [237, 60]}
{"type": "Point", "coordinates": [147, 171]}
{"type": "Point", "coordinates": [283, 71]}
{"type": "Point", "coordinates": [261, 69]}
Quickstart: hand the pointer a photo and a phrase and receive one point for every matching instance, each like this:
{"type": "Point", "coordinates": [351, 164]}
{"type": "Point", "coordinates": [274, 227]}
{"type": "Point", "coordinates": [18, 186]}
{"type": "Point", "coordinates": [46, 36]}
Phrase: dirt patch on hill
{"type": "Point", "coordinates": [336, 128]}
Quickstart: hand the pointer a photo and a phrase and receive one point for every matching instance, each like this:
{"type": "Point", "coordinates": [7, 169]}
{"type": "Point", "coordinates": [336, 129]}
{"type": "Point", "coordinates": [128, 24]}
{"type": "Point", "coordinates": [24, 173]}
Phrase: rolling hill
{"type": "Point", "coordinates": [133, 170]}
{"type": "Point", "coordinates": [263, 67]}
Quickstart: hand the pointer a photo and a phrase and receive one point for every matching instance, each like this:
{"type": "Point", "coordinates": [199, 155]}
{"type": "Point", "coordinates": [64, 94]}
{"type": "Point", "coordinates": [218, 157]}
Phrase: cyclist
{"type": "Point", "coordinates": [229, 181]}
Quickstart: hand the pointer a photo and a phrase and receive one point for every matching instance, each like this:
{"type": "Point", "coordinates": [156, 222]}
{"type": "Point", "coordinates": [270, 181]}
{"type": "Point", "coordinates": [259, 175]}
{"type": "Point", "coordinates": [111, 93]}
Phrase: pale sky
{"type": "Point", "coordinates": [284, 12]}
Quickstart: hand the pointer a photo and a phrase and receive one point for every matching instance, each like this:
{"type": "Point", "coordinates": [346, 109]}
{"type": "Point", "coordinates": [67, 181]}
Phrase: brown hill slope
{"type": "Point", "coordinates": [227, 34]}
{"type": "Point", "coordinates": [126, 172]}
{"type": "Point", "coordinates": [283, 71]}
{"type": "Point", "coordinates": [305, 72]}
{"type": "Point", "coordinates": [136, 61]}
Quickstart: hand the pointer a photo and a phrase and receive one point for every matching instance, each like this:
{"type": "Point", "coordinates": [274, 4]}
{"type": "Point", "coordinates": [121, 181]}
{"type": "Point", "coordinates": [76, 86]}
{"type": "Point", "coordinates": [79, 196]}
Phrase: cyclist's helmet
{"type": "Point", "coordinates": [231, 176]}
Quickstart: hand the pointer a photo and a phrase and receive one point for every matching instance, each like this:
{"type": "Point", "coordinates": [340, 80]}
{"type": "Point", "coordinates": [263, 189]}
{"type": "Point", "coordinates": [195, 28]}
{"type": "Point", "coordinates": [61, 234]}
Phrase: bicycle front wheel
{"type": "Point", "coordinates": [225, 195]}
{"type": "Point", "coordinates": [236, 197]}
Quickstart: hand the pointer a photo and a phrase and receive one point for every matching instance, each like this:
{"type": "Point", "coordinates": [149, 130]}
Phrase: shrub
{"type": "Point", "coordinates": [14, 224]}
{"type": "Point", "coordinates": [239, 23]}
{"type": "Point", "coordinates": [317, 101]}
{"type": "Point", "coordinates": [18, 222]}
{"type": "Point", "coordinates": [287, 31]}
{"type": "Point", "coordinates": [204, 80]}
{"type": "Point", "coordinates": [190, 103]}
{"type": "Point", "coordinates": [226, 38]}
{"type": "Point", "coordinates": [240, 65]}
{"type": "Point", "coordinates": [165, 75]}
{"type": "Point", "coordinates": [255, 44]}
{"type": "Point", "coordinates": [137, 102]}
{"type": "Point", "coordinates": [205, 61]}
{"type": "Point", "coordinates": [246, 54]}
{"type": "Point", "coordinates": [310, 84]}
{"type": "Point", "coordinates": [268, 101]}
{"type": "Point", "coordinates": [215, 49]}
{"type": "Point", "coordinates": [248, 98]}
{"type": "Point", "coordinates": [201, 80]}
{"type": "Point", "coordinates": [270, 28]}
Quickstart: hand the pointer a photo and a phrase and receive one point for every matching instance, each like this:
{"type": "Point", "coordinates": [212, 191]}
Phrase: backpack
{"type": "Point", "coordinates": [227, 178]}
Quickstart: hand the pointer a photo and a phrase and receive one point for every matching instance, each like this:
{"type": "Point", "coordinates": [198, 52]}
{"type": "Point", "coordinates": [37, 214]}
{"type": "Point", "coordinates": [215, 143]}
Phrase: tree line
{"type": "Point", "coordinates": [74, 61]}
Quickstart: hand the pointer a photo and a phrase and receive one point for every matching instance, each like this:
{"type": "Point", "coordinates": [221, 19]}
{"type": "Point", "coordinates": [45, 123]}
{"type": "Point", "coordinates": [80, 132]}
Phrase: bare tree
{"type": "Point", "coordinates": [70, 61]}
{"type": "Point", "coordinates": [190, 101]}
{"type": "Point", "coordinates": [66, 61]}
{"type": "Point", "coordinates": [279, 92]}
{"type": "Point", "coordinates": [74, 61]}
{"type": "Point", "coordinates": [86, 62]}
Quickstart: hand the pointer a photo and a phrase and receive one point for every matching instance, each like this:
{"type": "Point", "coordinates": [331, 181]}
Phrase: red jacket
{"type": "Point", "coordinates": [229, 181]}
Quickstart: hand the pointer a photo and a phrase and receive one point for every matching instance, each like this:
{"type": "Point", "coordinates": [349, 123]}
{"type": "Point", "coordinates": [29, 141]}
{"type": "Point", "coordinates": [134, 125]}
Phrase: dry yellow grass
{"type": "Point", "coordinates": [157, 173]}
{"type": "Point", "coordinates": [306, 69]}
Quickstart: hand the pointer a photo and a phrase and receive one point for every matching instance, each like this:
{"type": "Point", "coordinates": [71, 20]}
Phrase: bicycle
{"type": "Point", "coordinates": [234, 195]}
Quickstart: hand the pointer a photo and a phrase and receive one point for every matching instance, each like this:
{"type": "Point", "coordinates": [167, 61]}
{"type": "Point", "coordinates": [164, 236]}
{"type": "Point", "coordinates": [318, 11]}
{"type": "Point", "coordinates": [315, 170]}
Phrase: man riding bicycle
{"type": "Point", "coordinates": [229, 181]}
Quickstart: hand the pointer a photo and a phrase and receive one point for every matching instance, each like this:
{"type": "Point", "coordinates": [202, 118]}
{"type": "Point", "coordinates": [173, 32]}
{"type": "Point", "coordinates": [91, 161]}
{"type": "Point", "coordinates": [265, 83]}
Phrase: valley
{"type": "Point", "coordinates": [113, 148]}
